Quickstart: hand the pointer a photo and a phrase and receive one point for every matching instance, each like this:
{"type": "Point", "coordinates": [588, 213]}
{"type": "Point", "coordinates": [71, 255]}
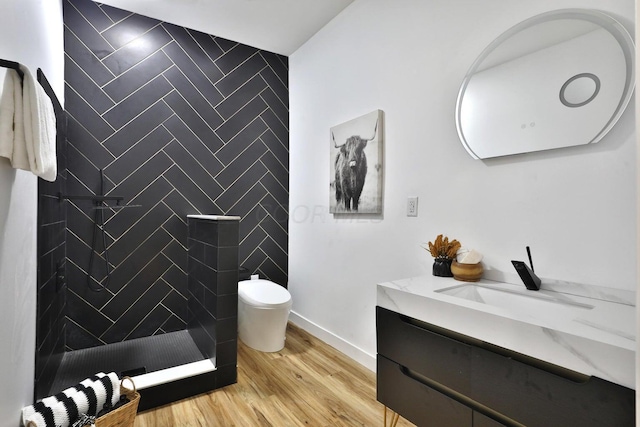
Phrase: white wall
{"type": "Point", "coordinates": [575, 207]}
{"type": "Point", "coordinates": [30, 33]}
{"type": "Point", "coordinates": [637, 35]}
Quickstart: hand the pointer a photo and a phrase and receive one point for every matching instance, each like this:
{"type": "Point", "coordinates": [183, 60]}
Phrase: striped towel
{"type": "Point", "coordinates": [63, 409]}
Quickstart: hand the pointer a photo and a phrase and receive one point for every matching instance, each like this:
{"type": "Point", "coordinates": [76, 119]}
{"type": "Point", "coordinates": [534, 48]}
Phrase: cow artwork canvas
{"type": "Point", "coordinates": [356, 165]}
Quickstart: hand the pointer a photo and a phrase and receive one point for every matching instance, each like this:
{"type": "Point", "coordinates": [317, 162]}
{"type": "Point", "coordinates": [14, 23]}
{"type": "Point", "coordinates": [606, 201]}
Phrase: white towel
{"type": "Point", "coordinates": [28, 125]}
{"type": "Point", "coordinates": [11, 113]}
{"type": "Point", "coordinates": [39, 128]}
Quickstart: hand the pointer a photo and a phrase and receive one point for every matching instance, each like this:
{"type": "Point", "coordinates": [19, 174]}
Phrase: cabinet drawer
{"type": "Point", "coordinates": [545, 396]}
{"type": "Point", "coordinates": [417, 402]}
{"type": "Point", "coordinates": [480, 420]}
{"type": "Point", "coordinates": [417, 346]}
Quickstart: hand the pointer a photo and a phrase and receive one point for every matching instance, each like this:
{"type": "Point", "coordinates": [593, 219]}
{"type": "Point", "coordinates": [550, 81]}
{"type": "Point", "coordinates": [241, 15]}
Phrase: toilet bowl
{"type": "Point", "coordinates": [263, 311]}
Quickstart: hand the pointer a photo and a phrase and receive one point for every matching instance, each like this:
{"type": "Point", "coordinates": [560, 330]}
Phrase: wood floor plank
{"type": "Point", "coordinates": [307, 384]}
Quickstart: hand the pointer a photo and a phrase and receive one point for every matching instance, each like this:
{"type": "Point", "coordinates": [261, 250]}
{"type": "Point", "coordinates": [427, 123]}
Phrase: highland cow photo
{"type": "Point", "coordinates": [356, 165]}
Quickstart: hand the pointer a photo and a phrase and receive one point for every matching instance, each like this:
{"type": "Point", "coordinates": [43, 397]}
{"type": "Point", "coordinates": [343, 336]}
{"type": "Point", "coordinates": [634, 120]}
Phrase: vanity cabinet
{"type": "Point", "coordinates": [437, 377]}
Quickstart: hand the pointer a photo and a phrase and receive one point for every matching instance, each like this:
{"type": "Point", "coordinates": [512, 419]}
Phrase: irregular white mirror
{"type": "Point", "coordinates": [558, 79]}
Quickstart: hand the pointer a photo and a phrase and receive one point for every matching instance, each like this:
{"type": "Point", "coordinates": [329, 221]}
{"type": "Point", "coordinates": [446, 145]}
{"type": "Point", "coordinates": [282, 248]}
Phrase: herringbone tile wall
{"type": "Point", "coordinates": [181, 123]}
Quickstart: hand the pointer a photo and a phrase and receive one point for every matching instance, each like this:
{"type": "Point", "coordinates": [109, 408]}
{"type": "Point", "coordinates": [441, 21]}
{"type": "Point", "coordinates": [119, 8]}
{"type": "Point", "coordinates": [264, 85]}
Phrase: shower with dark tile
{"type": "Point", "coordinates": [161, 122]}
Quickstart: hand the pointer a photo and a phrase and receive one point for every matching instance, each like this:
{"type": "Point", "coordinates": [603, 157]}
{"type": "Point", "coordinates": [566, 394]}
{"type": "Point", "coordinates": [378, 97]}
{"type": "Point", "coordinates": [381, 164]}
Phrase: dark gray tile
{"type": "Point", "coordinates": [145, 200]}
{"type": "Point", "coordinates": [137, 259]}
{"type": "Point", "coordinates": [196, 171]}
{"type": "Point", "coordinates": [206, 42]}
{"type": "Point", "coordinates": [190, 117]}
{"type": "Point", "coordinates": [177, 279]}
{"type": "Point", "coordinates": [178, 204]}
{"type": "Point", "coordinates": [83, 113]}
{"type": "Point", "coordinates": [244, 161]}
{"type": "Point", "coordinates": [231, 82]}
{"type": "Point", "coordinates": [145, 149]}
{"type": "Point", "coordinates": [280, 110]}
{"type": "Point", "coordinates": [128, 29]}
{"type": "Point", "coordinates": [193, 96]}
{"type": "Point", "coordinates": [226, 375]}
{"type": "Point", "coordinates": [115, 14]}
{"type": "Point", "coordinates": [227, 282]}
{"type": "Point", "coordinates": [242, 140]}
{"type": "Point", "coordinates": [174, 323]}
{"type": "Point", "coordinates": [279, 64]}
{"type": "Point", "coordinates": [234, 102]}
{"type": "Point", "coordinates": [86, 59]}
{"type": "Point", "coordinates": [175, 251]}
{"type": "Point", "coordinates": [280, 193]}
{"type": "Point", "coordinates": [276, 231]}
{"type": "Point", "coordinates": [127, 301]}
{"type": "Point", "coordinates": [279, 149]}
{"type": "Point", "coordinates": [189, 68]}
{"type": "Point", "coordinates": [227, 306]}
{"type": "Point", "coordinates": [77, 79]}
{"type": "Point", "coordinates": [203, 151]}
{"type": "Point", "coordinates": [134, 52]}
{"type": "Point", "coordinates": [244, 117]}
{"type": "Point", "coordinates": [273, 272]}
{"type": "Point", "coordinates": [135, 77]}
{"type": "Point", "coordinates": [78, 338]}
{"type": "Point", "coordinates": [227, 329]}
{"type": "Point", "coordinates": [86, 316]}
{"type": "Point", "coordinates": [142, 177]}
{"type": "Point", "coordinates": [130, 108]}
{"type": "Point", "coordinates": [83, 169]}
{"type": "Point", "coordinates": [241, 186]}
{"type": "Point", "coordinates": [196, 196]}
{"type": "Point", "coordinates": [251, 220]}
{"type": "Point", "coordinates": [224, 44]}
{"type": "Point", "coordinates": [93, 14]}
{"type": "Point", "coordinates": [227, 353]}
{"type": "Point", "coordinates": [86, 144]}
{"type": "Point", "coordinates": [77, 283]}
{"type": "Point", "coordinates": [279, 172]}
{"type": "Point", "coordinates": [228, 233]}
{"type": "Point", "coordinates": [139, 233]}
{"type": "Point", "coordinates": [129, 135]}
{"type": "Point", "coordinates": [274, 82]}
{"type": "Point", "coordinates": [248, 202]}
{"type": "Point", "coordinates": [196, 52]}
{"type": "Point", "coordinates": [151, 324]}
{"type": "Point", "coordinates": [276, 126]}
{"type": "Point", "coordinates": [234, 57]}
{"type": "Point", "coordinates": [249, 245]}
{"type": "Point", "coordinates": [77, 23]}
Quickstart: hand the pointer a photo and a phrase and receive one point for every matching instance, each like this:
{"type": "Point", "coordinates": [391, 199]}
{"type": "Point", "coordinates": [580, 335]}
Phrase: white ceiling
{"type": "Point", "coordinates": [279, 26]}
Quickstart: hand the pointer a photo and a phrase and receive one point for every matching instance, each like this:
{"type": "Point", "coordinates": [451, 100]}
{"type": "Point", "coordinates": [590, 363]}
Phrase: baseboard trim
{"type": "Point", "coordinates": [365, 359]}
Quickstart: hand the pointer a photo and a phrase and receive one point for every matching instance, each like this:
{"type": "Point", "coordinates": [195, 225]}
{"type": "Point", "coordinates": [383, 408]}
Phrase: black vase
{"type": "Point", "coordinates": [442, 267]}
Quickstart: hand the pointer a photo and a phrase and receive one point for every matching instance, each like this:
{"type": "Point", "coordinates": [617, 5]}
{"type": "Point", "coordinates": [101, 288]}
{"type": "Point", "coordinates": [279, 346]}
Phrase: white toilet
{"type": "Point", "coordinates": [263, 311]}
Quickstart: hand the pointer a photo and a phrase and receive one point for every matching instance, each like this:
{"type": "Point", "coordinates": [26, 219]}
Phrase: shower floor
{"type": "Point", "coordinates": [153, 353]}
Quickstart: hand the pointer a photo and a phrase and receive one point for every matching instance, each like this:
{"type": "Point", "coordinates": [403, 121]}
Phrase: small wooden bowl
{"type": "Point", "coordinates": [466, 272]}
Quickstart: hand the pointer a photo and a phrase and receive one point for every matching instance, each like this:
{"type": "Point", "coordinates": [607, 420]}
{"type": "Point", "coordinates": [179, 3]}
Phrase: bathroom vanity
{"type": "Point", "coordinates": [495, 354]}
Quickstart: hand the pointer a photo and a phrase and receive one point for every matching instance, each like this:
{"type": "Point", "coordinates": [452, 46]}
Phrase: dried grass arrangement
{"type": "Point", "coordinates": [442, 248]}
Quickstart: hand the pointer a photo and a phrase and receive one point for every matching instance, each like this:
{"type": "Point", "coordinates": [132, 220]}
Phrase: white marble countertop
{"type": "Point", "coordinates": [578, 329]}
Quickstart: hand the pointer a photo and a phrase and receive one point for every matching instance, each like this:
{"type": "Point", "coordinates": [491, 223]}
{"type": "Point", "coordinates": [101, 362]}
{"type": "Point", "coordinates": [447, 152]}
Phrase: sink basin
{"type": "Point", "coordinates": [512, 298]}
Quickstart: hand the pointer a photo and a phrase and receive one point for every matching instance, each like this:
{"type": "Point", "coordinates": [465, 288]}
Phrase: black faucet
{"type": "Point", "coordinates": [531, 281]}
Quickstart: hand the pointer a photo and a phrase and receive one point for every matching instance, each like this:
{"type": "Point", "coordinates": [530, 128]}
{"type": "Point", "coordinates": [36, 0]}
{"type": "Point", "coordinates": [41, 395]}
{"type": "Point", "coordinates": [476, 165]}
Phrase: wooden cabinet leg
{"type": "Point", "coordinates": [394, 418]}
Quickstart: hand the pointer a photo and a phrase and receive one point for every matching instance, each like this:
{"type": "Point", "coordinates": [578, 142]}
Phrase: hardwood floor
{"type": "Point", "coordinates": [308, 383]}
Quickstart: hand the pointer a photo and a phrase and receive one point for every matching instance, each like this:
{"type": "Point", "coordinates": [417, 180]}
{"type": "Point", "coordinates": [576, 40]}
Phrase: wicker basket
{"type": "Point", "coordinates": [125, 415]}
